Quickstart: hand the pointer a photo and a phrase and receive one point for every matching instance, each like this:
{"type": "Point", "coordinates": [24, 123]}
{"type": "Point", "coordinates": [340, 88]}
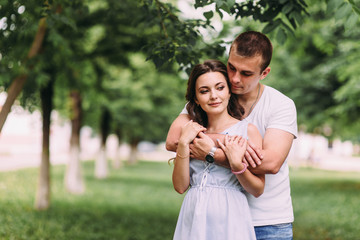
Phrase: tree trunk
{"type": "Point", "coordinates": [73, 178]}
{"type": "Point", "coordinates": [43, 189]}
{"type": "Point", "coordinates": [18, 83]}
{"type": "Point", "coordinates": [117, 162]}
{"type": "Point", "coordinates": [133, 152]}
{"type": "Point", "coordinates": [101, 166]}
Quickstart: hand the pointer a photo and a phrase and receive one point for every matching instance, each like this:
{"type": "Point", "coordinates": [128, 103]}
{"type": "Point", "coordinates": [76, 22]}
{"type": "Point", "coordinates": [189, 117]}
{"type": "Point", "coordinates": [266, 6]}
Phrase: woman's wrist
{"type": "Point", "coordinates": [183, 144]}
{"type": "Point", "coordinates": [239, 169]}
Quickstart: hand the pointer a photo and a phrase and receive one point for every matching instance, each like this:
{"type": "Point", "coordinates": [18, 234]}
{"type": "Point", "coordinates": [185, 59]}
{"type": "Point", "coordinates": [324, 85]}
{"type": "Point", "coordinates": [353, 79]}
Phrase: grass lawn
{"type": "Point", "coordinates": [326, 204]}
{"type": "Point", "coordinates": [138, 203]}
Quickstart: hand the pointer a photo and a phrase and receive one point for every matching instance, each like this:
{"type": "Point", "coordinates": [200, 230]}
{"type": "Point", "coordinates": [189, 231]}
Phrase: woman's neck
{"type": "Point", "coordinates": [219, 123]}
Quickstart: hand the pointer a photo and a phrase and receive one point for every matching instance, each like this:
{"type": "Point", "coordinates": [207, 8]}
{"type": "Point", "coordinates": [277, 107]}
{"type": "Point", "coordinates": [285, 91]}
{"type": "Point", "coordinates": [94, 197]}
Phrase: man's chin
{"type": "Point", "coordinates": [236, 91]}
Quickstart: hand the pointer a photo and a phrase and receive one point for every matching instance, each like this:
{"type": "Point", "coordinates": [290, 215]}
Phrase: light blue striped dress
{"type": "Point", "coordinates": [215, 206]}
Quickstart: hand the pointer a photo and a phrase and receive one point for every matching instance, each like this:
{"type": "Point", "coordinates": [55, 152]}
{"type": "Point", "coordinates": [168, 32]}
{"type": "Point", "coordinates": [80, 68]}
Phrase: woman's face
{"type": "Point", "coordinates": [212, 92]}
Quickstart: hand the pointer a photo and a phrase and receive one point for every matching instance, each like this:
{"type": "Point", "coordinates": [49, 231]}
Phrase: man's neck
{"type": "Point", "coordinates": [249, 101]}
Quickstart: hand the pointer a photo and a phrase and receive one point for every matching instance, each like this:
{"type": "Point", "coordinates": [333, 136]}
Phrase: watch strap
{"type": "Point", "coordinates": [212, 151]}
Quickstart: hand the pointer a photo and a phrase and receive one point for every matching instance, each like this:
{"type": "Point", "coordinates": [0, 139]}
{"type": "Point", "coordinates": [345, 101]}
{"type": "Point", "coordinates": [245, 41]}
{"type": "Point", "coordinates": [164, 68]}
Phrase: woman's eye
{"type": "Point", "coordinates": [221, 88]}
{"type": "Point", "coordinates": [203, 91]}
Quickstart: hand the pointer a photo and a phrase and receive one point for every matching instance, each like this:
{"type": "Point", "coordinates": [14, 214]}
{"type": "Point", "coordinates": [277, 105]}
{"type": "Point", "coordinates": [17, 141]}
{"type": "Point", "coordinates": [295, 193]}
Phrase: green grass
{"type": "Point", "coordinates": [135, 202]}
{"type": "Point", "coordinates": [326, 204]}
{"type": "Point", "coordinates": [138, 202]}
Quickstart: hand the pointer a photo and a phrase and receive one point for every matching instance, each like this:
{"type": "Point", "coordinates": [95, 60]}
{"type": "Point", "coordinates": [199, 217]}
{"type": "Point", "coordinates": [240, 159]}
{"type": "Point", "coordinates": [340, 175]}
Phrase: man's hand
{"type": "Point", "coordinates": [234, 148]}
{"type": "Point", "coordinates": [253, 155]}
{"type": "Point", "coordinates": [201, 146]}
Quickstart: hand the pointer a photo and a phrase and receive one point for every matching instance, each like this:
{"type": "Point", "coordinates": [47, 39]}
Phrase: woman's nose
{"type": "Point", "coordinates": [213, 95]}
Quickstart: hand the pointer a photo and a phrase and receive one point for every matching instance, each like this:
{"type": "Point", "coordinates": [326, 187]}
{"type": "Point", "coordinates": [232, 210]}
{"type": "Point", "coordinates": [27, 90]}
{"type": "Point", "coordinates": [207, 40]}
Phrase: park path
{"type": "Point", "coordinates": [17, 161]}
{"type": "Point", "coordinates": [20, 146]}
{"type": "Point", "coordinates": [32, 160]}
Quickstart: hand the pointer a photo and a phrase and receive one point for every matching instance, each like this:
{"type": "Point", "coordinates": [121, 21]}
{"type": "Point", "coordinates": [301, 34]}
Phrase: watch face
{"type": "Point", "coordinates": [209, 158]}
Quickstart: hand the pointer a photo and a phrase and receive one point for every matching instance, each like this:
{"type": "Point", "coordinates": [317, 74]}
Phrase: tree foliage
{"type": "Point", "coordinates": [83, 39]}
{"type": "Point", "coordinates": [178, 40]}
{"type": "Point", "coordinates": [319, 70]}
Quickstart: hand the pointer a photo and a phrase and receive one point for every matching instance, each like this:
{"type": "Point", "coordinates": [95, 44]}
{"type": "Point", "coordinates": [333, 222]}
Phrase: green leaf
{"type": "Point", "coordinates": [219, 12]}
{"type": "Point", "coordinates": [287, 8]}
{"type": "Point", "coordinates": [281, 36]}
{"type": "Point", "coordinates": [208, 15]}
{"type": "Point", "coordinates": [355, 8]}
{"type": "Point", "coordinates": [230, 3]}
{"type": "Point", "coordinates": [219, 3]}
{"type": "Point", "coordinates": [271, 26]}
{"type": "Point", "coordinates": [343, 11]}
{"type": "Point", "coordinates": [351, 21]}
{"type": "Point", "coordinates": [297, 16]}
{"type": "Point", "coordinates": [225, 8]}
{"type": "Point", "coordinates": [332, 5]}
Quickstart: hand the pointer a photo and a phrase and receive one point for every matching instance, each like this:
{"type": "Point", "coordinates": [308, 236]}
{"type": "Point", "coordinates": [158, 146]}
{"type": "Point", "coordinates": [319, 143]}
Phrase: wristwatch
{"type": "Point", "coordinates": [210, 156]}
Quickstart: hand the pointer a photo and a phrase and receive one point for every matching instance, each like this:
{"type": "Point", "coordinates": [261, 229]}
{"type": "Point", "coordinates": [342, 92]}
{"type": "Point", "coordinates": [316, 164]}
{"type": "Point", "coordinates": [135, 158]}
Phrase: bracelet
{"type": "Point", "coordinates": [177, 154]}
{"type": "Point", "coordinates": [242, 171]}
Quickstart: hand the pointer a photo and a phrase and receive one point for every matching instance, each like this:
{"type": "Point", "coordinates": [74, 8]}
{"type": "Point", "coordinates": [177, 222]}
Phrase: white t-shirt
{"type": "Point", "coordinates": [274, 206]}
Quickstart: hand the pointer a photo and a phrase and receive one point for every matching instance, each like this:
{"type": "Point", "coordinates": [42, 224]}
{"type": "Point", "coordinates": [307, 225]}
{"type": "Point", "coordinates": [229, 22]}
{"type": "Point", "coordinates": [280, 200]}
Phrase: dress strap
{"type": "Point", "coordinates": [205, 175]}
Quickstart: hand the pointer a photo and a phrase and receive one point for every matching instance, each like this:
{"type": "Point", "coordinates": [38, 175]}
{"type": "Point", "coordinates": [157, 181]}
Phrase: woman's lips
{"type": "Point", "coordinates": [215, 104]}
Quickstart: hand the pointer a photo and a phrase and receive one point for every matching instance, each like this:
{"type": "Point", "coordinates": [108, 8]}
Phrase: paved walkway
{"type": "Point", "coordinates": [22, 160]}
{"type": "Point", "coordinates": [332, 162]}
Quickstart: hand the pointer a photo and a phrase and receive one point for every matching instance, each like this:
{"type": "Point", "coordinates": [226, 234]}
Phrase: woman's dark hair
{"type": "Point", "coordinates": [196, 113]}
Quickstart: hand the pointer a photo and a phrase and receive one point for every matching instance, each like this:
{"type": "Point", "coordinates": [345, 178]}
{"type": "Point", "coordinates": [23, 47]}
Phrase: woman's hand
{"type": "Point", "coordinates": [234, 148]}
{"type": "Point", "coordinates": [189, 132]}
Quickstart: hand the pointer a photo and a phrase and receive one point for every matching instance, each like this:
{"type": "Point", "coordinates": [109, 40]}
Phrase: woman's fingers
{"type": "Point", "coordinates": [222, 146]}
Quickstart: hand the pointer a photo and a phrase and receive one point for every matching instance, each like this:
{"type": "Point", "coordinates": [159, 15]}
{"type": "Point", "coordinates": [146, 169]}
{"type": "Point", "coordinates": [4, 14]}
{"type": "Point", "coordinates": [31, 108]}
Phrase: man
{"type": "Point", "coordinates": [274, 115]}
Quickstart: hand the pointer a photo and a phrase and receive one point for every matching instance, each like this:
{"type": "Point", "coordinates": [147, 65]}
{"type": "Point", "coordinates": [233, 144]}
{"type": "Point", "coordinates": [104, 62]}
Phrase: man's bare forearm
{"type": "Point", "coordinates": [220, 157]}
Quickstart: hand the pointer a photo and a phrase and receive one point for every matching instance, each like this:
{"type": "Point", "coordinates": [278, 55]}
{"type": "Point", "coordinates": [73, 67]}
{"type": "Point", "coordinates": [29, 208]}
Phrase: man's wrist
{"type": "Point", "coordinates": [220, 158]}
{"type": "Point", "coordinates": [210, 156]}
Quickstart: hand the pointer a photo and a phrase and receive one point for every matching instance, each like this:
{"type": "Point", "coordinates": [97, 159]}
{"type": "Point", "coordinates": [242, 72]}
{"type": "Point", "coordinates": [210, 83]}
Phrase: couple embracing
{"type": "Point", "coordinates": [231, 143]}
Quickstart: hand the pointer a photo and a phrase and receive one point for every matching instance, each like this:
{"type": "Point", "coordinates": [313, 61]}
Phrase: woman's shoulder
{"type": "Point", "coordinates": [239, 126]}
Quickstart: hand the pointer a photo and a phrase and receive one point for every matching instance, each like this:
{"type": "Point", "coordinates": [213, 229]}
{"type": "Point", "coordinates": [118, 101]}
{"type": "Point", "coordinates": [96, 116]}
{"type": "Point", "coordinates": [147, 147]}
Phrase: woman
{"type": "Point", "coordinates": [215, 206]}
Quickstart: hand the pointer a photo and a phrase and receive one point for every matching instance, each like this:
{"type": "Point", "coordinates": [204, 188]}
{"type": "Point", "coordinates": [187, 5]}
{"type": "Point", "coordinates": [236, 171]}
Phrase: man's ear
{"type": "Point", "coordinates": [265, 73]}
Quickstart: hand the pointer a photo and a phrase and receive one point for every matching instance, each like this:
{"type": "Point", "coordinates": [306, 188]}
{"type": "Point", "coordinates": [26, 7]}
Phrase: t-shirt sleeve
{"type": "Point", "coordinates": [184, 111]}
{"type": "Point", "coordinates": [284, 117]}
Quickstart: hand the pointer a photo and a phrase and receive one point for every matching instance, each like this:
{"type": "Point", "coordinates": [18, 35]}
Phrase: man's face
{"type": "Point", "coordinates": [245, 73]}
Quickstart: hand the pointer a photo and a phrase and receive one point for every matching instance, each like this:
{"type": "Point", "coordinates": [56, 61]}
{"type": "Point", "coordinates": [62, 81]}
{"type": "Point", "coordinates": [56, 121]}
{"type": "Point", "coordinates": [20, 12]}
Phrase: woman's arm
{"type": "Point", "coordinates": [253, 183]}
{"type": "Point", "coordinates": [174, 132]}
{"type": "Point", "coordinates": [181, 172]}
{"type": "Point", "coordinates": [235, 148]}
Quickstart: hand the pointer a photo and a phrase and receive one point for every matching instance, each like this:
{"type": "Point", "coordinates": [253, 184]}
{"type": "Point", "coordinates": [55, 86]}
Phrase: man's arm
{"type": "Point", "coordinates": [174, 133]}
{"type": "Point", "coordinates": [276, 146]}
{"type": "Point", "coordinates": [201, 147]}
